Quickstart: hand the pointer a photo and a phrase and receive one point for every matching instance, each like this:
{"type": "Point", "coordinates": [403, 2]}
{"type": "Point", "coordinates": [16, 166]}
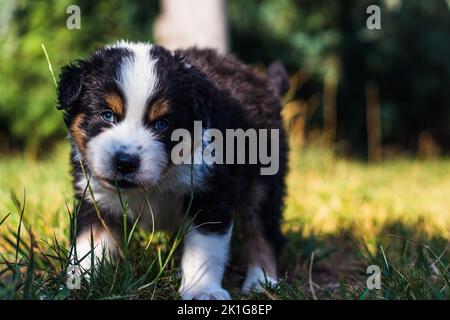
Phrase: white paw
{"type": "Point", "coordinates": [205, 294]}
{"type": "Point", "coordinates": [256, 279]}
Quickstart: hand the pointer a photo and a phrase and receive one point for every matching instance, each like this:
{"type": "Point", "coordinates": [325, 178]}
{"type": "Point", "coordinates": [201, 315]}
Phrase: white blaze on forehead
{"type": "Point", "coordinates": [137, 78]}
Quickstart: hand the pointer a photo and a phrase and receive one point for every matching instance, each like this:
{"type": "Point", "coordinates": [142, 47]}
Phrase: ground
{"type": "Point", "coordinates": [341, 217]}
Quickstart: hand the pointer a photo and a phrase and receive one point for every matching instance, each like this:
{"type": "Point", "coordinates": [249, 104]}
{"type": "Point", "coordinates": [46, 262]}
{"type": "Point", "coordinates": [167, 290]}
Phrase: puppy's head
{"type": "Point", "coordinates": [121, 106]}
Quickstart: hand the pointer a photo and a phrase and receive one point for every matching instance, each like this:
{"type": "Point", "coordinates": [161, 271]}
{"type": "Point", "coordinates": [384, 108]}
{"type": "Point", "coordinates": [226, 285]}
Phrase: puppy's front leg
{"type": "Point", "coordinates": [103, 246]}
{"type": "Point", "coordinates": [92, 240]}
{"type": "Point", "coordinates": [205, 256]}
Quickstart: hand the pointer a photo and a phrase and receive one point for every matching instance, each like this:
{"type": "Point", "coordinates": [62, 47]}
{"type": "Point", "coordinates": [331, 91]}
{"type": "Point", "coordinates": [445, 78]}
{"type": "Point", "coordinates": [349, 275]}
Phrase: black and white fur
{"type": "Point", "coordinates": [192, 85]}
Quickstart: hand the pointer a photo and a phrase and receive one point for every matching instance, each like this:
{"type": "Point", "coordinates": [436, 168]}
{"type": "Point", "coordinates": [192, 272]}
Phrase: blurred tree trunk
{"type": "Point", "coordinates": [201, 23]}
{"type": "Point", "coordinates": [329, 100]}
{"type": "Point", "coordinates": [373, 123]}
{"type": "Point", "coordinates": [393, 5]}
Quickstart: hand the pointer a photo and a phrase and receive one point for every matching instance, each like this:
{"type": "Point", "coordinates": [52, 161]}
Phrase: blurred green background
{"type": "Point", "coordinates": [370, 93]}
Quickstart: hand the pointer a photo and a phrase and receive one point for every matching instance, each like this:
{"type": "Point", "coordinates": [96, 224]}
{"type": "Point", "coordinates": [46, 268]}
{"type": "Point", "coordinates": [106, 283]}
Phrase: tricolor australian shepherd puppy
{"type": "Point", "coordinates": [121, 107]}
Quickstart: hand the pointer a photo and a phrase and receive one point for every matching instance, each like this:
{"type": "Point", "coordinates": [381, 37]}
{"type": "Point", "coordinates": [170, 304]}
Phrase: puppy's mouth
{"type": "Point", "coordinates": [121, 184]}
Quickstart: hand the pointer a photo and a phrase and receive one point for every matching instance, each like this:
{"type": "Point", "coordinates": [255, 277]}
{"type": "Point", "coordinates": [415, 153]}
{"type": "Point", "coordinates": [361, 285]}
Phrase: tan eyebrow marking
{"type": "Point", "coordinates": [79, 135]}
{"type": "Point", "coordinates": [115, 103]}
{"type": "Point", "coordinates": [158, 109]}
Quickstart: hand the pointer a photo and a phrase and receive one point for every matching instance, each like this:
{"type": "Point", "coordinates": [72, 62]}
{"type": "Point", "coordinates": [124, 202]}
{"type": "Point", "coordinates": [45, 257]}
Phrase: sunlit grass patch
{"type": "Point", "coordinates": [327, 194]}
{"type": "Point", "coordinates": [47, 186]}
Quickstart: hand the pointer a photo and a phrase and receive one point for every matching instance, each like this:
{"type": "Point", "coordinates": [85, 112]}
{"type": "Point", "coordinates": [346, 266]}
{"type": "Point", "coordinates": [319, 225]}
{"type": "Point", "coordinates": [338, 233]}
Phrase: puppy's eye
{"type": "Point", "coordinates": [161, 125]}
{"type": "Point", "coordinates": [108, 116]}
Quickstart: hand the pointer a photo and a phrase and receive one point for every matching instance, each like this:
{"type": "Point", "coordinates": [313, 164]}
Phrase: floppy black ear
{"type": "Point", "coordinates": [69, 86]}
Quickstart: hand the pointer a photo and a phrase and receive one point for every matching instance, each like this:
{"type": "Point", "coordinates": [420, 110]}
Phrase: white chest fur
{"type": "Point", "coordinates": [154, 209]}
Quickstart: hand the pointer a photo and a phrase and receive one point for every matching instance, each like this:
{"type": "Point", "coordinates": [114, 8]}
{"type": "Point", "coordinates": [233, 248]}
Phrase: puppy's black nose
{"type": "Point", "coordinates": [126, 162]}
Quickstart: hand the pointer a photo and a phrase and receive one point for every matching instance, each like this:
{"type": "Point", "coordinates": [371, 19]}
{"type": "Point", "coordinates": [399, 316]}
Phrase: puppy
{"type": "Point", "coordinates": [122, 106]}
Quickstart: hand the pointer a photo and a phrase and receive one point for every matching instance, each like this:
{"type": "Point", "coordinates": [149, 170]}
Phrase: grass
{"type": "Point", "coordinates": [341, 216]}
